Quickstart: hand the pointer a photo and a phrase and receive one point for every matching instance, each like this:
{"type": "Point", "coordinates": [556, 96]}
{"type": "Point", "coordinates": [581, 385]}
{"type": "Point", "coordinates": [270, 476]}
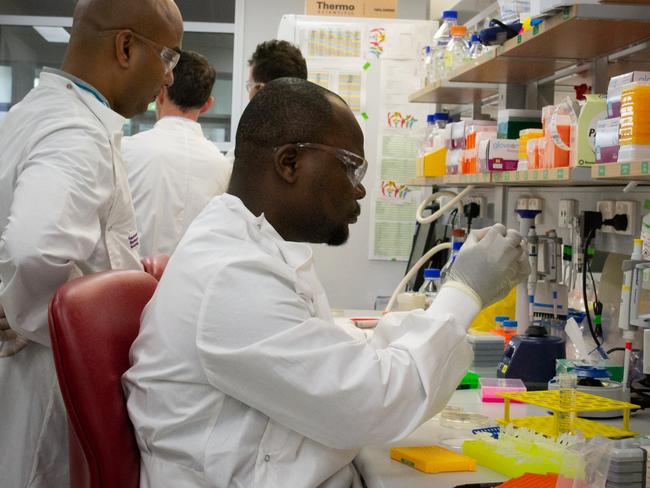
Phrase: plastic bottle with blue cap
{"type": "Point", "coordinates": [499, 320]}
{"type": "Point", "coordinates": [440, 40]}
{"type": "Point", "coordinates": [509, 330]}
{"type": "Point", "coordinates": [431, 284]}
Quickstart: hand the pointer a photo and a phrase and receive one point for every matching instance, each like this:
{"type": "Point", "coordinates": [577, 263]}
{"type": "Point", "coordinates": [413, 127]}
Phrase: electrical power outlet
{"type": "Point", "coordinates": [482, 203]}
{"type": "Point", "coordinates": [607, 210]}
{"type": "Point", "coordinates": [537, 204]}
{"type": "Point", "coordinates": [567, 211]}
{"type": "Point", "coordinates": [631, 209]}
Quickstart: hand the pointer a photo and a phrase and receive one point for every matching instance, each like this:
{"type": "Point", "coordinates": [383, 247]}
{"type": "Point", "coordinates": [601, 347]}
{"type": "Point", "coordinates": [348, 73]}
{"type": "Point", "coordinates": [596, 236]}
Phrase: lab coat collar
{"type": "Point", "coordinates": [172, 121]}
{"type": "Point", "coordinates": [295, 254]}
{"type": "Point", "coordinates": [56, 78]}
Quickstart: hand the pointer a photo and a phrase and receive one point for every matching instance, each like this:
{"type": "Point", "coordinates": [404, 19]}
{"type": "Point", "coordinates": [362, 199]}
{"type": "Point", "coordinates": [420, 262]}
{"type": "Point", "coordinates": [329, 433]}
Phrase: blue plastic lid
{"type": "Point", "coordinates": [510, 323]}
{"type": "Point", "coordinates": [431, 118]}
{"type": "Point", "coordinates": [585, 371]}
{"type": "Point", "coordinates": [427, 49]}
{"type": "Point", "coordinates": [474, 38]}
{"type": "Point", "coordinates": [431, 273]}
{"type": "Point", "coordinates": [441, 116]}
{"type": "Point", "coordinates": [501, 318]}
{"type": "Point", "coordinates": [449, 14]}
{"type": "Point", "coordinates": [456, 245]}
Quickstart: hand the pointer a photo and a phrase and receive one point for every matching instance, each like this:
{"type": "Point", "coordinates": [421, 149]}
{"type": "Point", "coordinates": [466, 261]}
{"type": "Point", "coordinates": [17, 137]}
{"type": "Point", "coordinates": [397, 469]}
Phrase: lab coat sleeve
{"type": "Point", "coordinates": [53, 223]}
{"type": "Point", "coordinates": [259, 344]}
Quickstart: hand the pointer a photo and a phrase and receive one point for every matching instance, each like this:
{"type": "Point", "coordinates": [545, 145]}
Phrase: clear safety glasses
{"type": "Point", "coordinates": [253, 85]}
{"type": "Point", "coordinates": [356, 165]}
{"type": "Point", "coordinates": [168, 56]}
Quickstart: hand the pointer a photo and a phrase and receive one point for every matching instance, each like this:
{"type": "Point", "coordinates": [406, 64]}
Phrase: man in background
{"type": "Point", "coordinates": [272, 59]}
{"type": "Point", "coordinates": [174, 170]}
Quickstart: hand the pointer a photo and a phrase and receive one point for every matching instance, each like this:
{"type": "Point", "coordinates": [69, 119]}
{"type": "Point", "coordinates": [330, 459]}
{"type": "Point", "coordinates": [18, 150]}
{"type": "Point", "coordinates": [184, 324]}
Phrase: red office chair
{"type": "Point", "coordinates": [93, 321]}
{"type": "Point", "coordinates": [155, 265]}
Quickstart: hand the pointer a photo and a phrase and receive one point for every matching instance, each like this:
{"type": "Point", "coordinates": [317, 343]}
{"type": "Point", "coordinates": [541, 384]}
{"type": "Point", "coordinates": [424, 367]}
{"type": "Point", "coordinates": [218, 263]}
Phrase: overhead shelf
{"type": "Point", "coordinates": [454, 93]}
{"type": "Point", "coordinates": [581, 176]}
{"type": "Point", "coordinates": [639, 170]}
{"type": "Point", "coordinates": [578, 33]}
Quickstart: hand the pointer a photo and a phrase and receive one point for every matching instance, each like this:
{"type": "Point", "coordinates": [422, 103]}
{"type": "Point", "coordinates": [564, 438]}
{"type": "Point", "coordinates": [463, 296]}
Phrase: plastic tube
{"type": "Point", "coordinates": [456, 200]}
{"type": "Point", "coordinates": [626, 364]}
{"type": "Point", "coordinates": [414, 269]}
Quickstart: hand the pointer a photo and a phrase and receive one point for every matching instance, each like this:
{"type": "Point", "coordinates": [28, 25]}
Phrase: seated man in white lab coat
{"type": "Point", "coordinates": [174, 170]}
{"type": "Point", "coordinates": [65, 208]}
{"type": "Point", "coordinates": [271, 60]}
{"type": "Point", "coordinates": [239, 376]}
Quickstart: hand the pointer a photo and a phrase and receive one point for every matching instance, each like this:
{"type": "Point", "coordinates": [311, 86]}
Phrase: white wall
{"type": "Point", "coordinates": [349, 277]}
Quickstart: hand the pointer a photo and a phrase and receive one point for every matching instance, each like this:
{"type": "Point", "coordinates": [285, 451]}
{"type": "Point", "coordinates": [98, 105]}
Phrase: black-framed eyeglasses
{"type": "Point", "coordinates": [355, 165]}
{"type": "Point", "coordinates": [168, 56]}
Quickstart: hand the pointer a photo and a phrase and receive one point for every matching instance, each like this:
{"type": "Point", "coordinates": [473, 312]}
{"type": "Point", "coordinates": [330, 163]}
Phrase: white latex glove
{"type": "Point", "coordinates": [491, 262]}
{"type": "Point", "coordinates": [10, 341]}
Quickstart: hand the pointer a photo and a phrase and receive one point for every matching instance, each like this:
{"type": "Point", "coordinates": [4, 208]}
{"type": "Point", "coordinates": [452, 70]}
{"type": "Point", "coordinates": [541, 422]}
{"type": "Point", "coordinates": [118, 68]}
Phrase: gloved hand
{"type": "Point", "coordinates": [491, 262]}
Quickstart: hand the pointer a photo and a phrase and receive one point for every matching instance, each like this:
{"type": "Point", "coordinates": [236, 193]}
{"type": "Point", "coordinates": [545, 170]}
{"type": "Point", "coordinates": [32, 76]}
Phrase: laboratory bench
{"type": "Point", "coordinates": [379, 471]}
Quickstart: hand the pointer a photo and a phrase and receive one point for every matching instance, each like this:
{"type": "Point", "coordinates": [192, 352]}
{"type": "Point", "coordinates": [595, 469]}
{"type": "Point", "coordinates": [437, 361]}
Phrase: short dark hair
{"type": "Point", "coordinates": [287, 110]}
{"type": "Point", "coordinates": [193, 81]}
{"type": "Point", "coordinates": [277, 59]}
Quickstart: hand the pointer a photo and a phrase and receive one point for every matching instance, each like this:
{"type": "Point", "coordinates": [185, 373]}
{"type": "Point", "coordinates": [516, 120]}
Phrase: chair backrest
{"type": "Point", "coordinates": [93, 321]}
{"type": "Point", "coordinates": [155, 265]}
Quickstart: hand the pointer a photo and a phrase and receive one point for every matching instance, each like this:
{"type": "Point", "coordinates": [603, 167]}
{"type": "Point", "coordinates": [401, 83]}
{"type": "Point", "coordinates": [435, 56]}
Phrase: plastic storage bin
{"type": "Point", "coordinates": [491, 386]}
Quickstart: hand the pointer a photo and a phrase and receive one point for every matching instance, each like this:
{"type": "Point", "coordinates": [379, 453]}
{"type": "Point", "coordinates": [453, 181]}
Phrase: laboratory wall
{"type": "Point", "coordinates": [350, 279]}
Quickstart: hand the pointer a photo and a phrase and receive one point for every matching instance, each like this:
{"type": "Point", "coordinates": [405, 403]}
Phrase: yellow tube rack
{"type": "Point", "coordinates": [584, 402]}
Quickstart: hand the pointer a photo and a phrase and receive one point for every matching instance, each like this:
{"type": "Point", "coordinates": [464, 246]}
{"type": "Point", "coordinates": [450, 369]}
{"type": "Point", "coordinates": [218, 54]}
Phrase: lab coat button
{"type": "Point", "coordinates": [267, 458]}
{"type": "Point", "coordinates": [69, 86]}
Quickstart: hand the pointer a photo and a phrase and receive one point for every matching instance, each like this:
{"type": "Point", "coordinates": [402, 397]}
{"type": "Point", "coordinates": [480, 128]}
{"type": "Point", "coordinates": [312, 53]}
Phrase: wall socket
{"type": "Point", "coordinates": [631, 209]}
{"type": "Point", "coordinates": [607, 209]}
{"type": "Point", "coordinates": [568, 209]}
{"type": "Point", "coordinates": [482, 203]}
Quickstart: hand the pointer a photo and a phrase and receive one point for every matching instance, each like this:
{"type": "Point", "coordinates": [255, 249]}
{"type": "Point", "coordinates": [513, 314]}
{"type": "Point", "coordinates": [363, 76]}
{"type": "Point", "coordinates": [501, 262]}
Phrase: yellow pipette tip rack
{"type": "Point", "coordinates": [432, 459]}
{"type": "Point", "coordinates": [582, 402]}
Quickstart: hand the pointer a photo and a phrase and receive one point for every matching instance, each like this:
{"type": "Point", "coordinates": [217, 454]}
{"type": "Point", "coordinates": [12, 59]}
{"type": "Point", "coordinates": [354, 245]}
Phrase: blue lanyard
{"type": "Point", "coordinates": [93, 92]}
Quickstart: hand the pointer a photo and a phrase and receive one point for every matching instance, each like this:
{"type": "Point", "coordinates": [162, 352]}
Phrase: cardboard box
{"type": "Point", "coordinates": [432, 164]}
{"type": "Point", "coordinates": [352, 8]}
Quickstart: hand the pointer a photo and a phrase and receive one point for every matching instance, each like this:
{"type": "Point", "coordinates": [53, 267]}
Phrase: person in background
{"type": "Point", "coordinates": [272, 59]}
{"type": "Point", "coordinates": [173, 169]}
{"type": "Point", "coordinates": [65, 208]}
{"type": "Point", "coordinates": [239, 375]}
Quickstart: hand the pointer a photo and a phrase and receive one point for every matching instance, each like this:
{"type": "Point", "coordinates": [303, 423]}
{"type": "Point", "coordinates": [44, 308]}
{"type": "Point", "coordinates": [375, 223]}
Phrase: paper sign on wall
{"type": "Point", "coordinates": [352, 8]}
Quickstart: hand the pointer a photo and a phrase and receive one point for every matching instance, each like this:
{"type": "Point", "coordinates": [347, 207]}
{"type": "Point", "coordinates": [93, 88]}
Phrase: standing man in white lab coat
{"type": "Point", "coordinates": [174, 170]}
{"type": "Point", "coordinates": [239, 376]}
{"type": "Point", "coordinates": [65, 208]}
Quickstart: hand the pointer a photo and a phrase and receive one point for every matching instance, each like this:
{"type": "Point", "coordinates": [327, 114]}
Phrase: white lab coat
{"type": "Point", "coordinates": [240, 378]}
{"type": "Point", "coordinates": [174, 171]}
{"type": "Point", "coordinates": [65, 210]}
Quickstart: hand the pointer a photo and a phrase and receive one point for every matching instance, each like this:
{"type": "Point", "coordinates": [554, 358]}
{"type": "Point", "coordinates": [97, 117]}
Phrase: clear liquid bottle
{"type": "Point", "coordinates": [430, 132]}
{"type": "Point", "coordinates": [455, 249]}
{"type": "Point", "coordinates": [440, 40]}
{"type": "Point", "coordinates": [428, 68]}
{"type": "Point", "coordinates": [457, 52]}
{"type": "Point", "coordinates": [435, 126]}
{"type": "Point", "coordinates": [431, 284]}
{"type": "Point", "coordinates": [475, 47]}
{"type": "Point", "coordinates": [567, 383]}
